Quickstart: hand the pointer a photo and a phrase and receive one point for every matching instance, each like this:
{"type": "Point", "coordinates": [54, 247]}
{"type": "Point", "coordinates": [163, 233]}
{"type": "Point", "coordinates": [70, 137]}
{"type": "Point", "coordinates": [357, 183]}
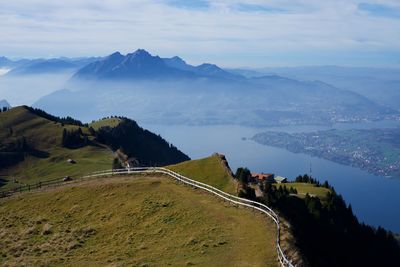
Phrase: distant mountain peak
{"type": "Point", "coordinates": [114, 58]}
{"type": "Point", "coordinates": [115, 54]}
{"type": "Point", "coordinates": [176, 58]}
{"type": "Point", "coordinates": [142, 56]}
{"type": "Point", "coordinates": [140, 64]}
{"type": "Point", "coordinates": [210, 69]}
{"type": "Point", "coordinates": [4, 103]}
{"type": "Point", "coordinates": [140, 52]}
{"type": "Point", "coordinates": [209, 66]}
{"type": "Point", "coordinates": [4, 62]}
{"type": "Point", "coordinates": [178, 63]}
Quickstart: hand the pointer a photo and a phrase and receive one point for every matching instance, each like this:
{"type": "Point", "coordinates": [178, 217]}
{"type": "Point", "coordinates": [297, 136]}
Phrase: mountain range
{"type": "Point", "coordinates": [378, 84]}
{"type": "Point", "coordinates": [142, 65]}
{"type": "Point", "coordinates": [44, 66]}
{"type": "Point", "coordinates": [169, 90]}
{"type": "Point", "coordinates": [32, 137]}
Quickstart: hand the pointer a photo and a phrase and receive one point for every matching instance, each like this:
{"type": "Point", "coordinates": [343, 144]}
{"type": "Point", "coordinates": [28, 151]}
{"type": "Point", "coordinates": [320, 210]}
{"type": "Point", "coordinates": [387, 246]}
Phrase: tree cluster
{"type": "Point", "coordinates": [148, 148]}
{"type": "Point", "coordinates": [116, 164]}
{"type": "Point", "coordinates": [62, 120]}
{"type": "Point", "coordinates": [326, 230]}
{"type": "Point", "coordinates": [329, 234]}
{"type": "Point", "coordinates": [273, 194]}
{"type": "Point", "coordinates": [74, 138]}
{"type": "Point", "coordinates": [243, 176]}
{"type": "Point", "coordinates": [308, 179]}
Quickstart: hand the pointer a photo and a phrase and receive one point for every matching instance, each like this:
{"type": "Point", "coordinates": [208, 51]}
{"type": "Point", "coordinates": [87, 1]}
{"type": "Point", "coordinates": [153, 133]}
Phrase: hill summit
{"type": "Point", "coordinates": [36, 145]}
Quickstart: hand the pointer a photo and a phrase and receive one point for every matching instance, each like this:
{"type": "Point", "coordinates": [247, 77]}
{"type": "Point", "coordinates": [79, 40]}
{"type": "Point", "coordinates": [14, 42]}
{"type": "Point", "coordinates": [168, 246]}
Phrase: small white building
{"type": "Point", "coordinates": [280, 180]}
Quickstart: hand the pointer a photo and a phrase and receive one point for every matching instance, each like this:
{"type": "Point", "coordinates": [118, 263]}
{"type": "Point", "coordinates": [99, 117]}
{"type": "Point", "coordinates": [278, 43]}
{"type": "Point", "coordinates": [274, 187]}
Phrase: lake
{"type": "Point", "coordinates": [374, 199]}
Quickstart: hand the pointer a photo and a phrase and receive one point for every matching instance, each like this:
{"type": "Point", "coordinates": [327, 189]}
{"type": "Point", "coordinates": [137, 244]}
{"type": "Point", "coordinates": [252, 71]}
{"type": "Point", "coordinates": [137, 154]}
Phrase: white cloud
{"type": "Point", "coordinates": [78, 28]}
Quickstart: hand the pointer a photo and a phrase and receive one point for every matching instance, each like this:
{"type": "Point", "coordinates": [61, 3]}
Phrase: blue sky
{"type": "Point", "coordinates": [232, 33]}
{"type": "Point", "coordinates": [380, 10]}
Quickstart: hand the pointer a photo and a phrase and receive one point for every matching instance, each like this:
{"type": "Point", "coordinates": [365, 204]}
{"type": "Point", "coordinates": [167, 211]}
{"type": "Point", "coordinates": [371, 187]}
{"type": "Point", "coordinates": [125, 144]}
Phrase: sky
{"type": "Point", "coordinates": [236, 33]}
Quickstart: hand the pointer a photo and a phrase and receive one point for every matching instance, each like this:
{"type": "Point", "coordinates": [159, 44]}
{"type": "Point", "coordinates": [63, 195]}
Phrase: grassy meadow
{"type": "Point", "coordinates": [112, 122]}
{"type": "Point", "coordinates": [307, 188]}
{"type": "Point", "coordinates": [142, 221]}
{"type": "Point", "coordinates": [208, 170]}
{"type": "Point", "coordinates": [50, 159]}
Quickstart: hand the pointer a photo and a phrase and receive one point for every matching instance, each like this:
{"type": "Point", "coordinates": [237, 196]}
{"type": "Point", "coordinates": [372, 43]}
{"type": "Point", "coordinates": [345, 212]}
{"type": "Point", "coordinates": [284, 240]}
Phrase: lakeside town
{"type": "Point", "coordinates": [376, 151]}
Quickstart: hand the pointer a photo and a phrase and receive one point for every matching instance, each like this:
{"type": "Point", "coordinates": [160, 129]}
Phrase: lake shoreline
{"type": "Point", "coordinates": [366, 193]}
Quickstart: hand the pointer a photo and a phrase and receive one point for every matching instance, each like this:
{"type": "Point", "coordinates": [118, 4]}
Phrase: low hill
{"type": "Point", "coordinates": [31, 149]}
{"type": "Point", "coordinates": [307, 188]}
{"type": "Point", "coordinates": [143, 146]}
{"type": "Point", "coordinates": [213, 170]}
{"type": "Point", "coordinates": [105, 122]}
{"type": "Point", "coordinates": [131, 222]}
{"type": "Point", "coordinates": [36, 146]}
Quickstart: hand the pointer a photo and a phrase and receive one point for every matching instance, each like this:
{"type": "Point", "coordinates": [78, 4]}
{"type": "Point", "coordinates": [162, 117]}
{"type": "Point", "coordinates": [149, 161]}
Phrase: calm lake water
{"type": "Point", "coordinates": [375, 200]}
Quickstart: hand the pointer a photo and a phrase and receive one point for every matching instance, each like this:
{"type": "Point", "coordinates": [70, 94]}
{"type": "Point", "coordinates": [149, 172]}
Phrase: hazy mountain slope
{"type": "Point", "coordinates": [137, 65]}
{"type": "Point", "coordinates": [178, 63]}
{"type": "Point", "coordinates": [141, 65]}
{"type": "Point", "coordinates": [48, 66]}
{"type": "Point", "coordinates": [321, 96]}
{"type": "Point", "coordinates": [204, 102]}
{"type": "Point", "coordinates": [43, 66]}
{"type": "Point", "coordinates": [5, 62]}
{"type": "Point", "coordinates": [170, 91]}
{"type": "Point", "coordinates": [205, 69]}
{"type": "Point", "coordinates": [378, 84]}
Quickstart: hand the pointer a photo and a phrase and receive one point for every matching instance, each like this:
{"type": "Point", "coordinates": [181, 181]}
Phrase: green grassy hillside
{"type": "Point", "coordinates": [111, 122]}
{"type": "Point", "coordinates": [209, 170]}
{"type": "Point", "coordinates": [36, 146]}
{"type": "Point", "coordinates": [131, 222]}
{"type": "Point", "coordinates": [45, 158]}
{"type": "Point", "coordinates": [307, 188]}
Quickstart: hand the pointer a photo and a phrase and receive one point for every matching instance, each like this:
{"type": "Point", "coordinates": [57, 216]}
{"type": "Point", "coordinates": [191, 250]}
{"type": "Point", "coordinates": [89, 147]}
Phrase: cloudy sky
{"type": "Point", "coordinates": [230, 33]}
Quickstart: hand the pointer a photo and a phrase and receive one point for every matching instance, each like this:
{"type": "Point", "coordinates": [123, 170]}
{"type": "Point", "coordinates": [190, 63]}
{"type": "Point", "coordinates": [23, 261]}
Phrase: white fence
{"type": "Point", "coordinates": [228, 197]}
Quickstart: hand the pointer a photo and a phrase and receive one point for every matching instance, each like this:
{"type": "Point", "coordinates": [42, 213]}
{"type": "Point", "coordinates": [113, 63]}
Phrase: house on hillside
{"type": "Point", "coordinates": [280, 180]}
{"type": "Point", "coordinates": [258, 178]}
